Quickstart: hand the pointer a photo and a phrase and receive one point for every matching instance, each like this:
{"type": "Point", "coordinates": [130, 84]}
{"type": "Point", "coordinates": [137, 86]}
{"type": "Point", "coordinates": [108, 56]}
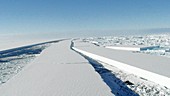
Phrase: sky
{"type": "Point", "coordinates": [68, 17]}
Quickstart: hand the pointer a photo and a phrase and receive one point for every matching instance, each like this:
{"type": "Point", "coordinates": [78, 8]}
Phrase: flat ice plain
{"type": "Point", "coordinates": [58, 71]}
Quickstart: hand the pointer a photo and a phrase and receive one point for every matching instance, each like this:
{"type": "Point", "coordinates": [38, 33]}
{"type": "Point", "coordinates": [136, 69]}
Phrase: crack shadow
{"type": "Point", "coordinates": [117, 86]}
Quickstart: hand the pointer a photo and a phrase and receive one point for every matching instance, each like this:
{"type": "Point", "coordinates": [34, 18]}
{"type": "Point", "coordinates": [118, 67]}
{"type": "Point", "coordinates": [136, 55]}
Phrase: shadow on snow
{"type": "Point", "coordinates": [16, 53]}
{"type": "Point", "coordinates": [117, 86]}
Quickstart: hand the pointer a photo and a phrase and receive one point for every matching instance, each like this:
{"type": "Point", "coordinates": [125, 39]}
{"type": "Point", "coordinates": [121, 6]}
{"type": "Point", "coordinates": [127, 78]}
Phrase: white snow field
{"type": "Point", "coordinates": [10, 43]}
{"type": "Point", "coordinates": [58, 71]}
{"type": "Point", "coordinates": [153, 68]}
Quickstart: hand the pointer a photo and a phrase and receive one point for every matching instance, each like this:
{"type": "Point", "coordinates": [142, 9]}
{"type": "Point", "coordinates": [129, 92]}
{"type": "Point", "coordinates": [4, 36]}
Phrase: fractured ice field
{"type": "Point", "coordinates": [159, 43]}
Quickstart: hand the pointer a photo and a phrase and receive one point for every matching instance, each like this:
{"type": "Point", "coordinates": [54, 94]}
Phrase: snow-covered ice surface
{"type": "Point", "coordinates": [14, 41]}
{"type": "Point", "coordinates": [58, 71]}
{"type": "Point", "coordinates": [138, 84]}
{"type": "Point", "coordinates": [13, 60]}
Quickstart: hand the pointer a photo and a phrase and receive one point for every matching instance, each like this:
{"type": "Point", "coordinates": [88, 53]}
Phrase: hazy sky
{"type": "Point", "coordinates": [80, 16]}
